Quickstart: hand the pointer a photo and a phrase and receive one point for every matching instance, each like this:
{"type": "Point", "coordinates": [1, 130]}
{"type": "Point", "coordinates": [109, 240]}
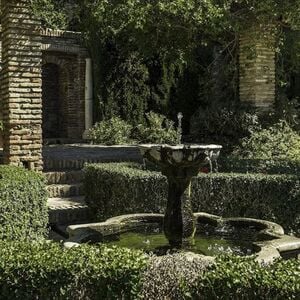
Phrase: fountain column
{"type": "Point", "coordinates": [179, 221]}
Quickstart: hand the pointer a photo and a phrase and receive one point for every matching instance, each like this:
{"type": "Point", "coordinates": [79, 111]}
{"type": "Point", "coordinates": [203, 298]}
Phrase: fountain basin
{"type": "Point", "coordinates": [183, 155]}
{"type": "Point", "coordinates": [215, 235]}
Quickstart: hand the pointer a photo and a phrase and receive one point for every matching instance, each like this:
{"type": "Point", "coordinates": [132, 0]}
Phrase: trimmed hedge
{"type": "Point", "coordinates": [47, 271]}
{"type": "Point", "coordinates": [119, 188]}
{"type": "Point", "coordinates": [112, 189]}
{"type": "Point", "coordinates": [271, 166]}
{"type": "Point", "coordinates": [23, 209]}
{"type": "Point", "coordinates": [239, 278]}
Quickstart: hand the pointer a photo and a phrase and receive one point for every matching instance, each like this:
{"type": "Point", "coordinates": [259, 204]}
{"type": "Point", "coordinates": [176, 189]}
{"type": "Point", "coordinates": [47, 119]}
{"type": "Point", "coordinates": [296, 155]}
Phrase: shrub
{"type": "Point", "coordinates": [279, 141]}
{"type": "Point", "coordinates": [23, 210]}
{"type": "Point", "coordinates": [265, 166]}
{"type": "Point", "coordinates": [243, 278]}
{"type": "Point", "coordinates": [47, 271]}
{"type": "Point", "coordinates": [165, 275]}
{"type": "Point", "coordinates": [222, 126]}
{"type": "Point", "coordinates": [110, 132]}
{"type": "Point", "coordinates": [114, 189]}
{"type": "Point", "coordinates": [157, 130]}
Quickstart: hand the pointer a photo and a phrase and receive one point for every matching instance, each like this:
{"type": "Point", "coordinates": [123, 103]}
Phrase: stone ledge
{"type": "Point", "coordinates": [60, 33]}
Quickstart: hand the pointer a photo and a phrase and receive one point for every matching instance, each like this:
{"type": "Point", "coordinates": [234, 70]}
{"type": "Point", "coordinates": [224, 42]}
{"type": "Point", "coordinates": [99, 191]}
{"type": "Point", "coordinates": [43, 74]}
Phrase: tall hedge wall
{"type": "Point", "coordinates": [119, 188]}
{"type": "Point", "coordinates": [23, 210]}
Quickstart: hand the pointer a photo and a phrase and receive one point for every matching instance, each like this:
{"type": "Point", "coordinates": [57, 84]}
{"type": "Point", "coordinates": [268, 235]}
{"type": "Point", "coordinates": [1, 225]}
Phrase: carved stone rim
{"type": "Point", "coordinates": [180, 147]}
{"type": "Point", "coordinates": [267, 251]}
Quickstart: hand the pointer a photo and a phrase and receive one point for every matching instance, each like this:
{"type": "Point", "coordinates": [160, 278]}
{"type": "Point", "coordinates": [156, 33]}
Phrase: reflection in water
{"type": "Point", "coordinates": [206, 242]}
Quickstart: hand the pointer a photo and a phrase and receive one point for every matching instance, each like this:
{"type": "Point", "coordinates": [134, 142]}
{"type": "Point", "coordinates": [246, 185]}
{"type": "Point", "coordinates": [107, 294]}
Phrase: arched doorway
{"type": "Point", "coordinates": [54, 106]}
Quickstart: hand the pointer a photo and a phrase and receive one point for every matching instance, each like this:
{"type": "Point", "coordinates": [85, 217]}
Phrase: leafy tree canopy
{"type": "Point", "coordinates": [171, 26]}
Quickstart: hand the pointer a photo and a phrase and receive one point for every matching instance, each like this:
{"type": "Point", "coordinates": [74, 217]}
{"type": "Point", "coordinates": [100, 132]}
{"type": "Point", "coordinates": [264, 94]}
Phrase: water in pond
{"type": "Point", "coordinates": [206, 243]}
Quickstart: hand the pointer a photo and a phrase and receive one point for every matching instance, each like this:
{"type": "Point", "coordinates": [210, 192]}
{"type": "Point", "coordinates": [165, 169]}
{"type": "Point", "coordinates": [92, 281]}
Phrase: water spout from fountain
{"type": "Point", "coordinates": [179, 128]}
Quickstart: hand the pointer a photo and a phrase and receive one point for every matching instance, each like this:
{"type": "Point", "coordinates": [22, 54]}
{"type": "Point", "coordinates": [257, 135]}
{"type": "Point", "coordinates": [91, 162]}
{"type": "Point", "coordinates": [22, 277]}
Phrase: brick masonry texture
{"type": "Point", "coordinates": [257, 66]}
{"type": "Point", "coordinates": [42, 70]}
{"type": "Point", "coordinates": [64, 54]}
{"type": "Point", "coordinates": [21, 85]}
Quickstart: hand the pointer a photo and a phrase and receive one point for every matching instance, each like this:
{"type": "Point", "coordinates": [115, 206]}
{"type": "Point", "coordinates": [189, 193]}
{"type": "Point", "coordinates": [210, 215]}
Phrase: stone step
{"type": "Point", "coordinates": [65, 190]}
{"type": "Point", "coordinates": [72, 210]}
{"type": "Point", "coordinates": [68, 164]}
{"type": "Point", "coordinates": [64, 177]}
{"type": "Point", "coordinates": [74, 156]}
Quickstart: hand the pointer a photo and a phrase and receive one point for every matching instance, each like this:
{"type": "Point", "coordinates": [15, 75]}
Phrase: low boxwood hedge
{"type": "Point", "coordinates": [23, 210]}
{"type": "Point", "coordinates": [239, 278]}
{"type": "Point", "coordinates": [47, 271]}
{"type": "Point", "coordinates": [119, 188]}
{"type": "Point", "coordinates": [233, 164]}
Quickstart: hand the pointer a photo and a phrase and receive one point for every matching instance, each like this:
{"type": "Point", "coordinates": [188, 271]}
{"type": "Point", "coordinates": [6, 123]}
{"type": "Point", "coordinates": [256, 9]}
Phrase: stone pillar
{"type": "Point", "coordinates": [257, 66]}
{"type": "Point", "coordinates": [21, 85]}
{"type": "Point", "coordinates": [88, 97]}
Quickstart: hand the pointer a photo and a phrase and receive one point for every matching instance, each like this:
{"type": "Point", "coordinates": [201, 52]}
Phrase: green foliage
{"type": "Point", "coordinates": [115, 131]}
{"type": "Point", "coordinates": [115, 189]}
{"type": "Point", "coordinates": [243, 278]}
{"type": "Point", "coordinates": [165, 27]}
{"type": "Point", "coordinates": [52, 13]}
{"type": "Point", "coordinates": [241, 12]}
{"type": "Point", "coordinates": [157, 129]}
{"type": "Point", "coordinates": [23, 210]}
{"type": "Point", "coordinates": [166, 275]}
{"type": "Point", "coordinates": [145, 52]}
{"type": "Point", "coordinates": [123, 89]}
{"type": "Point", "coordinates": [233, 164]}
{"type": "Point", "coordinates": [111, 132]}
{"type": "Point", "coordinates": [223, 126]}
{"type": "Point", "coordinates": [139, 54]}
{"type": "Point", "coordinates": [279, 141]}
{"type": "Point", "coordinates": [47, 271]}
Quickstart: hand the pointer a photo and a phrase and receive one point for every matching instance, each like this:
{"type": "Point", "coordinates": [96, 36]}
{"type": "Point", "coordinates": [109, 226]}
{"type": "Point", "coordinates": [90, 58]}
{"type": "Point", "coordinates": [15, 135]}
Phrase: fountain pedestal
{"type": "Point", "coordinates": [179, 223]}
{"type": "Point", "coordinates": [179, 164]}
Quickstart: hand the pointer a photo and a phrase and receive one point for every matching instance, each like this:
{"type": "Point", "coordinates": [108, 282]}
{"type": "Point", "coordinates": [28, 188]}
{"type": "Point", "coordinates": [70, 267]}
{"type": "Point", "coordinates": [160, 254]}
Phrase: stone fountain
{"type": "Point", "coordinates": [179, 164]}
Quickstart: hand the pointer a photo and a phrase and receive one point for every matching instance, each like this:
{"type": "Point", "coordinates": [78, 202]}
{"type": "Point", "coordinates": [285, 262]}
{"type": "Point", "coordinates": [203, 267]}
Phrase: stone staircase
{"type": "Point", "coordinates": [66, 197]}
{"type": "Point", "coordinates": [63, 169]}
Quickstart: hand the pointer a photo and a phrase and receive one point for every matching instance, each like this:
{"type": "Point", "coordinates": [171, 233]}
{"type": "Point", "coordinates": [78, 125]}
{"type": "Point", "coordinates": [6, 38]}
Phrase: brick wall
{"type": "Point", "coordinates": [70, 108]}
{"type": "Point", "coordinates": [21, 85]}
{"type": "Point", "coordinates": [257, 66]}
{"type": "Point", "coordinates": [63, 49]}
